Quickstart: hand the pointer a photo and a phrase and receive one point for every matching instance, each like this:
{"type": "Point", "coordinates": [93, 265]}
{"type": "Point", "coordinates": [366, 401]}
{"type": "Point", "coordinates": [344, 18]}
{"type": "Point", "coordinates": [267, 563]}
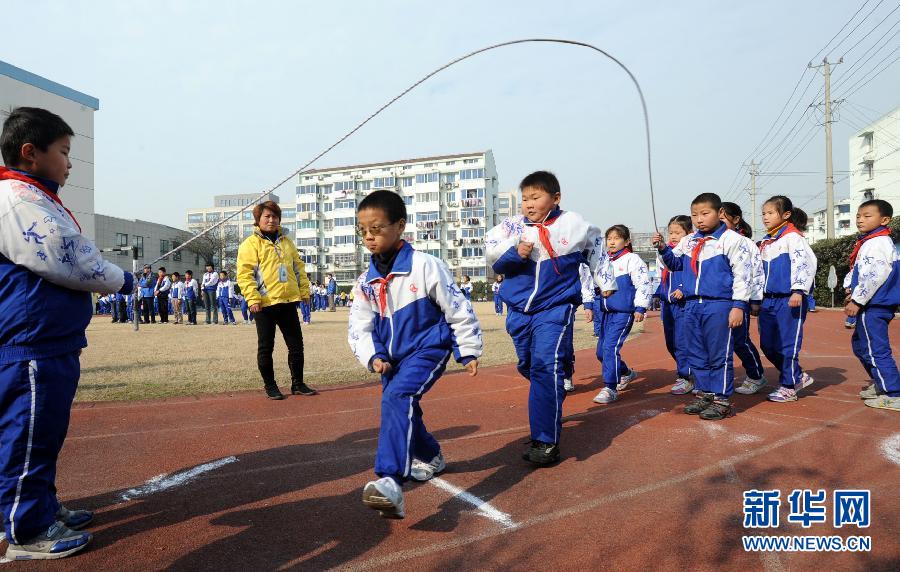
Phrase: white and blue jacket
{"type": "Point", "coordinates": [47, 271]}
{"type": "Point", "coordinates": [177, 290]}
{"type": "Point", "coordinates": [668, 283]}
{"type": "Point", "coordinates": [416, 306]}
{"type": "Point", "coordinates": [724, 266]}
{"type": "Point", "coordinates": [789, 264]}
{"type": "Point", "coordinates": [874, 279]}
{"type": "Point", "coordinates": [225, 289]}
{"type": "Point", "coordinates": [191, 289]}
{"type": "Point", "coordinates": [544, 281]}
{"type": "Point", "coordinates": [164, 285]}
{"type": "Point", "coordinates": [634, 289]}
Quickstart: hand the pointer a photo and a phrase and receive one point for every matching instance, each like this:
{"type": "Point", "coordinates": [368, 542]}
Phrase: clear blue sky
{"type": "Point", "coordinates": [203, 98]}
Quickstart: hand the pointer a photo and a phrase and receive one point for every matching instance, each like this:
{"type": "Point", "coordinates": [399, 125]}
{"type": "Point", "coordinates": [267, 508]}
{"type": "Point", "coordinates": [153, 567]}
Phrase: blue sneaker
{"type": "Point", "coordinates": [74, 519]}
{"type": "Point", "coordinates": [57, 542]}
{"type": "Point", "coordinates": [626, 379]}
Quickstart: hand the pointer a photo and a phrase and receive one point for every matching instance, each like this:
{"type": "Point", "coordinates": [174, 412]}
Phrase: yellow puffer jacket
{"type": "Point", "coordinates": [259, 274]}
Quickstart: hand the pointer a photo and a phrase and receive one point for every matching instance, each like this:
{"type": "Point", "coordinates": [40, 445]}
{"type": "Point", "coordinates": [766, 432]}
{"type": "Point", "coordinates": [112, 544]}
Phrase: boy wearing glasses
{"type": "Point", "coordinates": [408, 316]}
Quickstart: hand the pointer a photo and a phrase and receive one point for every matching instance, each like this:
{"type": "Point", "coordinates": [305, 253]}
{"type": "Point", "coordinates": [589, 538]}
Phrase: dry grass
{"type": "Point", "coordinates": [172, 360]}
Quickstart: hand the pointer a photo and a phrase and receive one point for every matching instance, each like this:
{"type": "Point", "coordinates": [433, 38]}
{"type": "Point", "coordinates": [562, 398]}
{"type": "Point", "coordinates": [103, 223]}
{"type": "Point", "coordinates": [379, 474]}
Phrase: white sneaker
{"type": "Point", "coordinates": [422, 471]}
{"type": "Point", "coordinates": [385, 496]}
{"type": "Point", "coordinates": [682, 386]}
{"type": "Point", "coordinates": [750, 386]}
{"type": "Point", "coordinates": [568, 385]}
{"type": "Point", "coordinates": [606, 395]}
{"type": "Point", "coordinates": [805, 381]}
{"type": "Point", "coordinates": [626, 379]}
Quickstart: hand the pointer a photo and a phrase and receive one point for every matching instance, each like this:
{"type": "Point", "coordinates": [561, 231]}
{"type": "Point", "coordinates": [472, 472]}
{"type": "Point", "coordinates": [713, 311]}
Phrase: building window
{"type": "Point", "coordinates": [212, 217]}
{"type": "Point", "coordinates": [328, 225]}
{"type": "Point", "coordinates": [473, 232]}
{"type": "Point", "coordinates": [163, 246]}
{"type": "Point", "coordinates": [467, 174]}
{"type": "Point", "coordinates": [345, 204]}
{"type": "Point", "coordinates": [472, 252]}
{"type": "Point", "coordinates": [843, 208]}
{"type": "Point", "coordinates": [470, 161]}
{"type": "Point", "coordinates": [324, 189]}
{"type": "Point", "coordinates": [449, 177]}
{"type": "Point", "coordinates": [868, 194]}
{"type": "Point", "coordinates": [474, 272]}
{"type": "Point", "coordinates": [288, 214]}
{"type": "Point", "coordinates": [345, 221]}
{"type": "Point", "coordinates": [451, 196]}
{"type": "Point", "coordinates": [305, 224]}
{"type": "Point", "coordinates": [408, 200]}
{"type": "Point", "coordinates": [427, 178]}
{"type": "Point", "coordinates": [139, 243]}
{"type": "Point", "coordinates": [177, 256]}
{"type": "Point", "coordinates": [433, 234]}
{"type": "Point", "coordinates": [195, 217]}
{"type": "Point", "coordinates": [363, 185]}
{"type": "Point", "coordinates": [504, 204]}
{"type": "Point", "coordinates": [428, 216]}
{"type": "Point", "coordinates": [343, 186]}
{"type": "Point", "coordinates": [868, 170]}
{"type": "Point", "coordinates": [471, 213]}
{"type": "Point", "coordinates": [427, 197]}
{"type": "Point", "coordinates": [307, 242]}
{"type": "Point", "coordinates": [344, 239]}
{"type": "Point", "coordinates": [306, 189]}
{"type": "Point", "coordinates": [383, 182]}
{"type": "Point", "coordinates": [121, 239]}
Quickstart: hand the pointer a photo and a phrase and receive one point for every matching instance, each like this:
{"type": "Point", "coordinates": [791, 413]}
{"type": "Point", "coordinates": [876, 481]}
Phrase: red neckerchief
{"type": "Point", "coordinates": [6, 174]}
{"type": "Point", "coordinates": [617, 255]}
{"type": "Point", "coordinates": [665, 271]}
{"type": "Point", "coordinates": [882, 231]}
{"type": "Point", "coordinates": [544, 235]}
{"type": "Point", "coordinates": [782, 230]}
{"type": "Point", "coordinates": [695, 253]}
{"type": "Point", "coordinates": [384, 284]}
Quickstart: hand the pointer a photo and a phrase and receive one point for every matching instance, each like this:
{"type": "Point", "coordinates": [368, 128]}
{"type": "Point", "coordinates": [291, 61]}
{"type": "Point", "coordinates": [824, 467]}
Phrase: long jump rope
{"type": "Point", "coordinates": [414, 86]}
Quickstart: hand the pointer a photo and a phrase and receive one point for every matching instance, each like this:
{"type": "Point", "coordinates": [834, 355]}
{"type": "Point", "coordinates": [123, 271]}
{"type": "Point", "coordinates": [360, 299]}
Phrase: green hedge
{"type": "Point", "coordinates": [836, 252]}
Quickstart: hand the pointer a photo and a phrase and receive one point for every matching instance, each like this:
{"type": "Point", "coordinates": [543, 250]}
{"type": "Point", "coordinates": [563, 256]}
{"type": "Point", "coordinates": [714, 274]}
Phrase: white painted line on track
{"type": "Point", "coordinates": [483, 507]}
{"type": "Point", "coordinates": [890, 448]}
{"type": "Point", "coordinates": [164, 482]}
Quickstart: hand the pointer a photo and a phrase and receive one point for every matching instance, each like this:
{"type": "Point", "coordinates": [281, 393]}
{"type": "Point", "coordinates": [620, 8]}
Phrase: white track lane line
{"type": "Point", "coordinates": [483, 507]}
{"type": "Point", "coordinates": [164, 482]}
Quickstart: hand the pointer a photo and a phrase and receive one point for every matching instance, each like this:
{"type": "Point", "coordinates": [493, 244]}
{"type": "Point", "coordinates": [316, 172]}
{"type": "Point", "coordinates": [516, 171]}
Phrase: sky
{"type": "Point", "coordinates": [205, 98]}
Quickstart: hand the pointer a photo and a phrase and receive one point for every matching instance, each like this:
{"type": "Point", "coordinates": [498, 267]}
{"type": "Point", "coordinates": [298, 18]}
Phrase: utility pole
{"type": "Point", "coordinates": [829, 173]}
{"type": "Point", "coordinates": [754, 171]}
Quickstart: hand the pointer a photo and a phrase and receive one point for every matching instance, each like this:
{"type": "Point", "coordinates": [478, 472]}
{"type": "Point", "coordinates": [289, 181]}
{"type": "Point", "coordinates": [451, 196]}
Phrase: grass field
{"type": "Point", "coordinates": [171, 360]}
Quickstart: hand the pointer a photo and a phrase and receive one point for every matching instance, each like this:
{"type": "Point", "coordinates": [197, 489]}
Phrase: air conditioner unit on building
{"type": "Point", "coordinates": [323, 249]}
{"type": "Point", "coordinates": [454, 261]}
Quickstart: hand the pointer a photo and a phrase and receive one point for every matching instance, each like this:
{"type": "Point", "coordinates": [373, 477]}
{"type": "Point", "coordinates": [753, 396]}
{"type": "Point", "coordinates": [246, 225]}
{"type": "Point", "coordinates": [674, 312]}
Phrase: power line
{"type": "Point", "coordinates": [860, 63]}
{"type": "Point", "coordinates": [850, 33]}
{"type": "Point", "coordinates": [878, 25]}
{"type": "Point", "coordinates": [847, 23]}
{"type": "Point", "coordinates": [864, 84]}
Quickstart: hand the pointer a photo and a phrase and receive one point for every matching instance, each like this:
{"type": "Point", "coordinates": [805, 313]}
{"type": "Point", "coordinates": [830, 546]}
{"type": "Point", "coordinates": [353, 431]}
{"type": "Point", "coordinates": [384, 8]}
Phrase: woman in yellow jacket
{"type": "Point", "coordinates": [273, 279]}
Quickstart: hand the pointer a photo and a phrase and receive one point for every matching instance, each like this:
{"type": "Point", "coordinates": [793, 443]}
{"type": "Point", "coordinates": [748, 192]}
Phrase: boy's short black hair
{"type": "Point", "coordinates": [884, 207]}
{"type": "Point", "coordinates": [163, 268]}
{"type": "Point", "coordinates": [225, 272]}
{"type": "Point", "coordinates": [543, 180]}
{"type": "Point", "coordinates": [711, 198]}
{"type": "Point", "coordinates": [176, 274]}
{"type": "Point", "coordinates": [186, 272]}
{"type": "Point", "coordinates": [388, 202]}
{"type": "Point", "coordinates": [32, 125]}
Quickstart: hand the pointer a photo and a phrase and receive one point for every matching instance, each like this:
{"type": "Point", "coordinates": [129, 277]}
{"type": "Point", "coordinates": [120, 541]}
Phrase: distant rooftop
{"type": "Point", "coordinates": [37, 81]}
{"type": "Point", "coordinates": [415, 160]}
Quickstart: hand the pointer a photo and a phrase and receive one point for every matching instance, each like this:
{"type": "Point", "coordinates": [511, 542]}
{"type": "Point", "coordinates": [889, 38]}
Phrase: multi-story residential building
{"type": "Point", "coordinates": [508, 204]}
{"type": "Point", "coordinates": [231, 233]}
{"type": "Point", "coordinates": [844, 222]}
{"type": "Point", "coordinates": [452, 200]}
{"type": "Point", "coordinates": [875, 162]}
{"type": "Point", "coordinates": [20, 88]}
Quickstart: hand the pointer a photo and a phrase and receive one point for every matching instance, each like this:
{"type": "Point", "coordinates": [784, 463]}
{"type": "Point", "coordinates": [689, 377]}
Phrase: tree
{"type": "Point", "coordinates": [218, 246]}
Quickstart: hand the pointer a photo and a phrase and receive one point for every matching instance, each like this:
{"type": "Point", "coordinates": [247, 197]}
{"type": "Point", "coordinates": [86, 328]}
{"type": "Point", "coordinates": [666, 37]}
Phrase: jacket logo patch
{"type": "Point", "coordinates": [413, 288]}
{"type": "Point", "coordinates": [564, 241]}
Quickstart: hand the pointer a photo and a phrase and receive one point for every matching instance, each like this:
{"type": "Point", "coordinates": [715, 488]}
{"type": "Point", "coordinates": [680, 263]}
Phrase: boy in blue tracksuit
{"type": "Point", "coordinates": [408, 318]}
{"type": "Point", "coordinates": [147, 283]}
{"type": "Point", "coordinates": [618, 313]}
{"type": "Point", "coordinates": [224, 295]}
{"type": "Point", "coordinates": [47, 265]}
{"type": "Point", "coordinates": [717, 273]}
{"type": "Point", "coordinates": [874, 284]}
{"type": "Point", "coordinates": [539, 254]}
{"type": "Point", "coordinates": [191, 293]}
{"type": "Point", "coordinates": [789, 268]}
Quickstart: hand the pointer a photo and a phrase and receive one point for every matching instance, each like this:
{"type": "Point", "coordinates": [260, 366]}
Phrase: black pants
{"type": "Point", "coordinates": [285, 317]}
{"type": "Point", "coordinates": [190, 310]}
{"type": "Point", "coordinates": [162, 301]}
{"type": "Point", "coordinates": [147, 310]}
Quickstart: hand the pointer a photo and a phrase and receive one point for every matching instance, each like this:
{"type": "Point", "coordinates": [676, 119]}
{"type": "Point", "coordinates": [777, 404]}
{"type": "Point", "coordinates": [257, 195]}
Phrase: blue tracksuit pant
{"type": "Point", "coordinates": [746, 351]}
{"type": "Point", "coordinates": [672, 317]}
{"type": "Point", "coordinates": [403, 435]}
{"type": "Point", "coordinates": [498, 305]}
{"type": "Point", "coordinates": [225, 309]}
{"type": "Point", "coordinates": [614, 330]}
{"type": "Point", "coordinates": [709, 345]}
{"type": "Point", "coordinates": [872, 347]}
{"type": "Point", "coordinates": [245, 312]}
{"type": "Point", "coordinates": [544, 347]}
{"type": "Point", "coordinates": [781, 336]}
{"type": "Point", "coordinates": [35, 402]}
{"type": "Point", "coordinates": [305, 311]}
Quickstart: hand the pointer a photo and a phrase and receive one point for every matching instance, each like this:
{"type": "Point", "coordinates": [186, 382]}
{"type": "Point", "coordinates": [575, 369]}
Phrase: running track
{"type": "Point", "coordinates": [641, 485]}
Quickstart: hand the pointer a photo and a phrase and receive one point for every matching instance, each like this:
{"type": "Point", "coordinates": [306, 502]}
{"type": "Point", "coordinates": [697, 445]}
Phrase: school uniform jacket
{"type": "Point", "coordinates": [721, 270]}
{"type": "Point", "coordinates": [225, 290]}
{"type": "Point", "coordinates": [547, 278]}
{"type": "Point", "coordinates": [668, 283]}
{"type": "Point", "coordinates": [47, 271]}
{"type": "Point", "coordinates": [875, 277]}
{"type": "Point", "coordinates": [416, 306]}
{"type": "Point", "coordinates": [191, 289]}
{"type": "Point", "coordinates": [633, 290]}
{"type": "Point", "coordinates": [788, 262]}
